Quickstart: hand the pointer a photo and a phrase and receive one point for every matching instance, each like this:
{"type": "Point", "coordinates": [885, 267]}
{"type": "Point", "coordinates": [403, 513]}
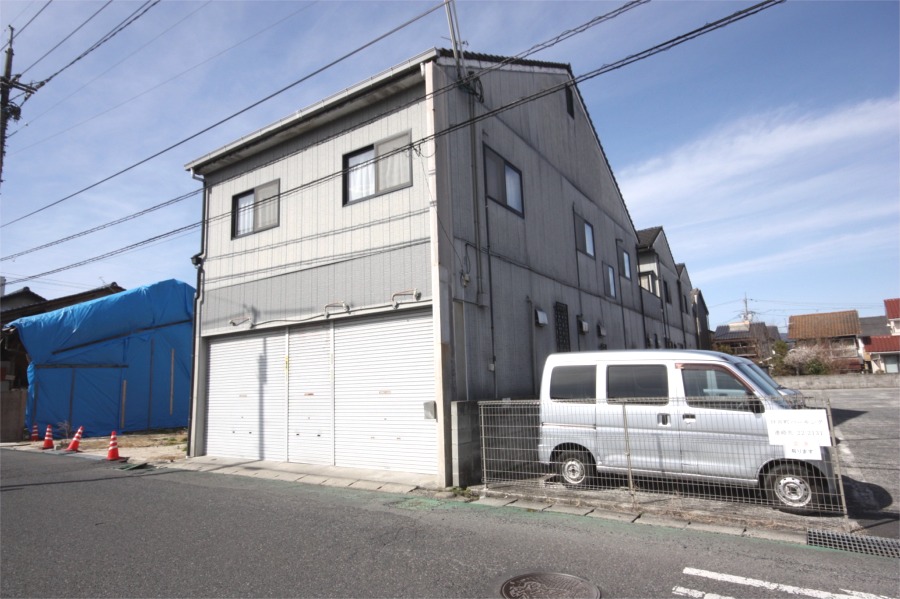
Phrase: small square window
{"type": "Point", "coordinates": [255, 210]}
{"type": "Point", "coordinates": [377, 169]}
{"type": "Point", "coordinates": [503, 181]}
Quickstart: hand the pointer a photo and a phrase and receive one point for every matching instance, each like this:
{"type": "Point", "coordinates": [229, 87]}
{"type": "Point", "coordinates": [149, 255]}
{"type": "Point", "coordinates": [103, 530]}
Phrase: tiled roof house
{"type": "Point", "coordinates": [839, 331]}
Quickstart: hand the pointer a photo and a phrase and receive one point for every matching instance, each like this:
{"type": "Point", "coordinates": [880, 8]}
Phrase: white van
{"type": "Point", "coordinates": [689, 414]}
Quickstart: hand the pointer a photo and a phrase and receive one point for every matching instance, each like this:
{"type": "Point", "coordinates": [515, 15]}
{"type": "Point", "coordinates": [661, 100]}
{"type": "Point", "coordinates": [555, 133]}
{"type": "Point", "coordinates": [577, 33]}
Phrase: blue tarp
{"type": "Point", "coordinates": [118, 363]}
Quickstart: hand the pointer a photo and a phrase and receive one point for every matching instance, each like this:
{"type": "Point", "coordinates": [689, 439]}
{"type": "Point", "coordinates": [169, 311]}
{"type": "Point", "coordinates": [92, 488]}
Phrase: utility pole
{"type": "Point", "coordinates": [8, 109]}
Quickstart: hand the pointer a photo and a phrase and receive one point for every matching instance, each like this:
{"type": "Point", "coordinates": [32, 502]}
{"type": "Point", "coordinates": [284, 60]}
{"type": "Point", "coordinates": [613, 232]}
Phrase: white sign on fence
{"type": "Point", "coordinates": [801, 432]}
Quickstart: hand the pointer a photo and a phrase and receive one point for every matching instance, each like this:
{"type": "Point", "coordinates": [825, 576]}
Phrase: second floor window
{"type": "Point", "coordinates": [503, 181]}
{"type": "Point", "coordinates": [255, 210]}
{"type": "Point", "coordinates": [376, 169]}
{"type": "Point", "coordinates": [584, 236]}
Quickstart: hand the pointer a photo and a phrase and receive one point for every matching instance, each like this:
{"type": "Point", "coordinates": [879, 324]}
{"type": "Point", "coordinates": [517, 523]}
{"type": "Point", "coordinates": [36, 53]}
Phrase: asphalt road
{"type": "Point", "coordinates": [867, 425]}
{"type": "Point", "coordinates": [75, 527]}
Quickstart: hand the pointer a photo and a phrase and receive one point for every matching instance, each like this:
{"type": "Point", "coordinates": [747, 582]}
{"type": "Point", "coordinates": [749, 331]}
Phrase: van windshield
{"type": "Point", "coordinates": [765, 383]}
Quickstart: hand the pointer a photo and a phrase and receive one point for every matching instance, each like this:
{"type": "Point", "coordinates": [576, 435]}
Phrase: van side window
{"type": "Point", "coordinates": [574, 383]}
{"type": "Point", "coordinates": [645, 384]}
{"type": "Point", "coordinates": [717, 388]}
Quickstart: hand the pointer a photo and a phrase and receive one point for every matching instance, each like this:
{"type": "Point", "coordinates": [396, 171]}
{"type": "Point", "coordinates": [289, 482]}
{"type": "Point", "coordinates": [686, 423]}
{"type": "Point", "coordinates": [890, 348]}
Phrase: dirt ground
{"type": "Point", "coordinates": [155, 446]}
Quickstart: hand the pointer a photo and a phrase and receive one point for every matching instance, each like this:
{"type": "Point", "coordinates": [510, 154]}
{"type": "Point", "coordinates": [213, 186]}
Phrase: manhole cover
{"type": "Point", "coordinates": [540, 585]}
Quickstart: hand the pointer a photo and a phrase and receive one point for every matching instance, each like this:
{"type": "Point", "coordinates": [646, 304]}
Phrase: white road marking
{"type": "Point", "coordinates": [774, 586]}
{"type": "Point", "coordinates": [697, 594]}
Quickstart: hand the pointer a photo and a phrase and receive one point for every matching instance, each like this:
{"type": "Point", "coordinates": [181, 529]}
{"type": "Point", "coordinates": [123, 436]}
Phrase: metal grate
{"type": "Point", "coordinates": [880, 546]}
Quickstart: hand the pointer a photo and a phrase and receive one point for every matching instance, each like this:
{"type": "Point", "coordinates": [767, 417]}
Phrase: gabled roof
{"type": "Point", "coordinates": [647, 237]}
{"type": "Point", "coordinates": [740, 331]}
{"type": "Point", "coordinates": [884, 344]}
{"type": "Point", "coordinates": [824, 326]}
{"type": "Point", "coordinates": [400, 77]}
{"type": "Point", "coordinates": [44, 305]}
{"type": "Point", "coordinates": [892, 308]}
{"type": "Point", "coordinates": [19, 299]}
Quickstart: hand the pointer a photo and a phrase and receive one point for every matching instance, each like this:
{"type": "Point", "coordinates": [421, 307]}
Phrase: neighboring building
{"type": "Point", "coordinates": [120, 362]}
{"type": "Point", "coordinates": [408, 243]}
{"type": "Point", "coordinates": [836, 331]}
{"type": "Point", "coordinates": [751, 340]}
{"type": "Point", "coordinates": [25, 302]}
{"type": "Point", "coordinates": [882, 351]}
{"type": "Point", "coordinates": [669, 316]}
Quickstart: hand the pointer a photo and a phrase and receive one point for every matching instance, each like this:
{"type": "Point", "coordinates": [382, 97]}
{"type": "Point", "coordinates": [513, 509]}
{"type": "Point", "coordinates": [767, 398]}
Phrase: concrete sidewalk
{"type": "Point", "coordinates": [331, 476]}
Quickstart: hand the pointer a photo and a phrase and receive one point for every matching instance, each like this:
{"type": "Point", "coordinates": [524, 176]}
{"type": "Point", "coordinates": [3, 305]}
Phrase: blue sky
{"type": "Point", "coordinates": [769, 150]}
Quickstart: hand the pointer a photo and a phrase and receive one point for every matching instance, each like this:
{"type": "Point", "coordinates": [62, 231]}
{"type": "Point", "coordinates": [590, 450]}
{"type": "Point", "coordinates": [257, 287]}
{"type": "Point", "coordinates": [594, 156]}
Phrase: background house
{"type": "Point", "coordinates": [751, 340]}
{"type": "Point", "coordinates": [881, 339]}
{"type": "Point", "coordinates": [121, 362]}
{"type": "Point", "coordinates": [374, 263]}
{"type": "Point", "coordinates": [836, 332]}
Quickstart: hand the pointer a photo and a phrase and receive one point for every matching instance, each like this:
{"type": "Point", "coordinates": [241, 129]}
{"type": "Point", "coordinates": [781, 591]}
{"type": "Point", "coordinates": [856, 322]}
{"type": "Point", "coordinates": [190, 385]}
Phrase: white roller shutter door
{"type": "Point", "coordinates": [311, 409]}
{"type": "Point", "coordinates": [384, 374]}
{"type": "Point", "coordinates": [247, 412]}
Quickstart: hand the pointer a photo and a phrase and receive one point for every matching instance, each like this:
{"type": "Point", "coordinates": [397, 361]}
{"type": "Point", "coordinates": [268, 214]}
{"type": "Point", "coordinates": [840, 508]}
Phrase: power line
{"type": "Point", "coordinates": [134, 16]}
{"type": "Point", "coordinates": [43, 8]}
{"type": "Point", "coordinates": [232, 116]}
{"type": "Point", "coordinates": [737, 16]}
{"type": "Point", "coordinates": [150, 89]}
{"type": "Point", "coordinates": [534, 49]}
{"type": "Point", "coordinates": [103, 226]}
{"type": "Point", "coordinates": [76, 30]}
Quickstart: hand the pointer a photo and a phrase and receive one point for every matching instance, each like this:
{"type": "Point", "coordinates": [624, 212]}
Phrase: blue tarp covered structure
{"type": "Point", "coordinates": [118, 363]}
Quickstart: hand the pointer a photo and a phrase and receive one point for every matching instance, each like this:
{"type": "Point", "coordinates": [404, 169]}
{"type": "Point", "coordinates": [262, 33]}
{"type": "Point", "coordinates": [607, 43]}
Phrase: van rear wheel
{"type": "Point", "coordinates": [793, 488]}
{"type": "Point", "coordinates": [576, 468]}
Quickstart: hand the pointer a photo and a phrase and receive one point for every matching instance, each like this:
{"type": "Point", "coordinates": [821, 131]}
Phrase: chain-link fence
{"type": "Point", "coordinates": [639, 451]}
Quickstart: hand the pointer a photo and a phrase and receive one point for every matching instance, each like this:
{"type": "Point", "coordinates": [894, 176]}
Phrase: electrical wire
{"type": "Point", "coordinates": [134, 16]}
{"type": "Point", "coordinates": [534, 49]}
{"type": "Point", "coordinates": [34, 119]}
{"type": "Point", "coordinates": [737, 16]}
{"type": "Point", "coordinates": [232, 116]}
{"type": "Point", "coordinates": [25, 26]}
{"type": "Point", "coordinates": [76, 30]}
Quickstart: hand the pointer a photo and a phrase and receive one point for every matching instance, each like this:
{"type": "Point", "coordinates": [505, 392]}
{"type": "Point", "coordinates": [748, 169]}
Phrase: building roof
{"type": "Point", "coordinates": [824, 326]}
{"type": "Point", "coordinates": [892, 308]}
{"type": "Point", "coordinates": [19, 299]}
{"type": "Point", "coordinates": [647, 237]}
{"type": "Point", "coordinates": [741, 331]}
{"type": "Point", "coordinates": [884, 344]}
{"type": "Point", "coordinates": [42, 305]}
{"type": "Point", "coordinates": [402, 76]}
{"type": "Point", "coordinates": [872, 326]}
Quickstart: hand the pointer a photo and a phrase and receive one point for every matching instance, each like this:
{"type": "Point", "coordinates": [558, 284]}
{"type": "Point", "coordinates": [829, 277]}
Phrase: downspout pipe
{"type": "Point", "coordinates": [197, 260]}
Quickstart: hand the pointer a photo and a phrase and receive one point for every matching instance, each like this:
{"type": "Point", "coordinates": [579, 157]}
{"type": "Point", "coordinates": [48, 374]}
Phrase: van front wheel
{"type": "Point", "coordinates": [576, 468]}
{"type": "Point", "coordinates": [793, 488]}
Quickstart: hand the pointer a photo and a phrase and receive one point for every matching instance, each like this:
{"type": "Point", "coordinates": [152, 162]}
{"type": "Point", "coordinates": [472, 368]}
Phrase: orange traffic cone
{"type": "Point", "coordinates": [73, 446]}
{"type": "Point", "coordinates": [48, 438]}
{"type": "Point", "coordinates": [113, 453]}
{"type": "Point", "coordinates": [35, 435]}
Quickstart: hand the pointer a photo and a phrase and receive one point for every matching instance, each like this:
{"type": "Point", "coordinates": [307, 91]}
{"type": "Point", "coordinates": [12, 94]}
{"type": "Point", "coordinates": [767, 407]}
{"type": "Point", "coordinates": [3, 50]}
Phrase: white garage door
{"type": "Point", "coordinates": [383, 377]}
{"type": "Point", "coordinates": [246, 406]}
{"type": "Point", "coordinates": [311, 419]}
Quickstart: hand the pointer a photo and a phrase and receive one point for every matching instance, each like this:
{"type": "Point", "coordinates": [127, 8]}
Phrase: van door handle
{"type": "Point", "coordinates": [689, 418]}
{"type": "Point", "coordinates": [663, 419]}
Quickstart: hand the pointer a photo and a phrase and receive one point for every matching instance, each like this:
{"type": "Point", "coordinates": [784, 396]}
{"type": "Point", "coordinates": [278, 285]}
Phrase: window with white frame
{"type": "Point", "coordinates": [382, 167]}
{"type": "Point", "coordinates": [503, 181]}
{"type": "Point", "coordinates": [255, 210]}
{"type": "Point", "coordinates": [584, 236]}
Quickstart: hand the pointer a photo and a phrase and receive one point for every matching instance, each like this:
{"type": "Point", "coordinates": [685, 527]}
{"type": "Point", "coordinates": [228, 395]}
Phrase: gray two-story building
{"type": "Point", "coordinates": [425, 237]}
